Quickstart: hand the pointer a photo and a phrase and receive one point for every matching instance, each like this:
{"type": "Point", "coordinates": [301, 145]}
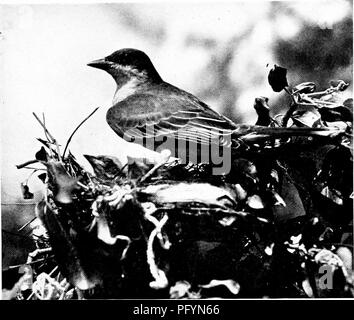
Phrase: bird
{"type": "Point", "coordinates": [151, 112]}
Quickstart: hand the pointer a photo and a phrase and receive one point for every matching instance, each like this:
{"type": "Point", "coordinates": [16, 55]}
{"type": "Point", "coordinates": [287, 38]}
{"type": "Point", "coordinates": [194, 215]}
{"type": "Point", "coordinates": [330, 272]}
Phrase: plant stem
{"type": "Point", "coordinates": [290, 94]}
{"type": "Point", "coordinates": [288, 114]}
{"type": "Point", "coordinates": [45, 129]}
{"type": "Point", "coordinates": [49, 135]}
{"type": "Point", "coordinates": [82, 122]}
{"type": "Point", "coordinates": [46, 135]}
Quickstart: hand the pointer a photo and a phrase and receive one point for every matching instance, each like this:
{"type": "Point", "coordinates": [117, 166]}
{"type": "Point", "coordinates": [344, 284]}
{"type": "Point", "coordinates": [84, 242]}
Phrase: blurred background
{"type": "Point", "coordinates": [216, 51]}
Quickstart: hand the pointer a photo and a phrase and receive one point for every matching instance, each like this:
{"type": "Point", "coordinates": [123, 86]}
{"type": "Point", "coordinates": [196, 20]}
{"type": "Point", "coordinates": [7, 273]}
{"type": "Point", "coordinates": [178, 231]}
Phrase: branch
{"type": "Point", "coordinates": [20, 166]}
{"type": "Point", "coordinates": [47, 133]}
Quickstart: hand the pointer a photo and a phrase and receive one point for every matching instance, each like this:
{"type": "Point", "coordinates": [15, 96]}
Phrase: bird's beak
{"type": "Point", "coordinates": [100, 64]}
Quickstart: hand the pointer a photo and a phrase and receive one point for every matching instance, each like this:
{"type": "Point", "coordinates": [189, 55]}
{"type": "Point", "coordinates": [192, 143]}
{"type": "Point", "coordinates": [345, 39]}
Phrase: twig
{"type": "Point", "coordinates": [27, 263]}
{"type": "Point", "coordinates": [26, 224]}
{"type": "Point", "coordinates": [33, 168]}
{"type": "Point", "coordinates": [325, 102]}
{"type": "Point", "coordinates": [20, 166]}
{"type": "Point", "coordinates": [46, 135]}
{"type": "Point", "coordinates": [302, 104]}
{"type": "Point", "coordinates": [36, 252]}
{"type": "Point", "coordinates": [45, 129]}
{"type": "Point", "coordinates": [82, 122]}
{"type": "Point", "coordinates": [49, 135]}
{"type": "Point", "coordinates": [322, 93]}
{"type": "Point", "coordinates": [292, 108]}
{"type": "Point", "coordinates": [18, 235]}
{"type": "Point", "coordinates": [55, 269]}
{"type": "Point", "coordinates": [290, 94]}
{"type": "Point", "coordinates": [82, 185]}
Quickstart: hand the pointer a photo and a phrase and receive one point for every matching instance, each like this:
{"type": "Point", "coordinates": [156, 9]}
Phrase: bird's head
{"type": "Point", "coordinates": [126, 64]}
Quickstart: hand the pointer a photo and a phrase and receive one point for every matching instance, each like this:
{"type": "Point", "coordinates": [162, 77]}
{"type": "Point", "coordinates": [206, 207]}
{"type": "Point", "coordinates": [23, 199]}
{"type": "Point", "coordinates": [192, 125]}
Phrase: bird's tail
{"type": "Point", "coordinates": [256, 132]}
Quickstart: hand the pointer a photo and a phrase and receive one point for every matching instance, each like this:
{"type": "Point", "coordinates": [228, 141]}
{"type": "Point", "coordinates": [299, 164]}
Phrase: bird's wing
{"type": "Point", "coordinates": [154, 116]}
{"type": "Point", "coordinates": [144, 116]}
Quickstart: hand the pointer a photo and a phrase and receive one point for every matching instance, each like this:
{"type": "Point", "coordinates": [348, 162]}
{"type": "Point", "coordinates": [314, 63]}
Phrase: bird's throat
{"type": "Point", "coordinates": [124, 91]}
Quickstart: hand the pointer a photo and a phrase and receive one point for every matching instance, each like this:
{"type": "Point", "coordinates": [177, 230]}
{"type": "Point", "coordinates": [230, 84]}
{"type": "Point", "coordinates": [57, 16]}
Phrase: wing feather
{"type": "Point", "coordinates": [153, 116]}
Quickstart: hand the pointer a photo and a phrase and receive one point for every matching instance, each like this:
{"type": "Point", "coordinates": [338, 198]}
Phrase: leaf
{"type": "Point", "coordinates": [310, 118]}
{"type": "Point", "coordinates": [41, 155]}
{"type": "Point", "coordinates": [341, 113]}
{"type": "Point", "coordinates": [46, 143]}
{"type": "Point", "coordinates": [42, 177]}
{"type": "Point", "coordinates": [277, 78]}
{"type": "Point", "coordinates": [294, 206]}
{"type": "Point", "coordinates": [340, 125]}
{"type": "Point", "coordinates": [255, 202]}
{"type": "Point", "coordinates": [64, 184]}
{"type": "Point", "coordinates": [336, 173]}
{"type": "Point", "coordinates": [26, 192]}
{"type": "Point", "coordinates": [241, 193]}
{"type": "Point", "coordinates": [305, 87]}
{"type": "Point", "coordinates": [68, 252]}
{"type": "Point", "coordinates": [262, 109]}
{"type": "Point", "coordinates": [348, 104]}
{"type": "Point", "coordinates": [105, 167]}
